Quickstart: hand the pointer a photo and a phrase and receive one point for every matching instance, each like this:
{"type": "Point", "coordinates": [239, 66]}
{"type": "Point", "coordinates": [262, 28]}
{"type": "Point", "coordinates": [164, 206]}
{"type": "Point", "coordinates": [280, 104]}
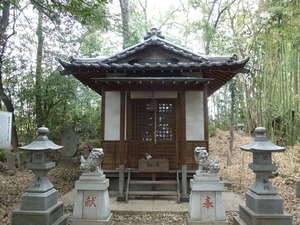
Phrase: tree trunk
{"type": "Point", "coordinates": [40, 120]}
{"type": "Point", "coordinates": [232, 90]}
{"type": "Point", "coordinates": [3, 96]}
{"type": "Point", "coordinates": [125, 11]}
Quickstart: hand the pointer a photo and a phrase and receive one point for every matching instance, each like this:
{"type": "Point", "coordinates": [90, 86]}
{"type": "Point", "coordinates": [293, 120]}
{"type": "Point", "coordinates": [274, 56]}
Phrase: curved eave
{"type": "Point", "coordinates": [83, 65]}
{"type": "Point", "coordinates": [218, 72]}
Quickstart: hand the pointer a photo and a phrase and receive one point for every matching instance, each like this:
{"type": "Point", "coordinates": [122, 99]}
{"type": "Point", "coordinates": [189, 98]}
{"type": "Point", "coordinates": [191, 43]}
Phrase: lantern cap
{"type": "Point", "coordinates": [261, 143]}
{"type": "Point", "coordinates": [41, 143]}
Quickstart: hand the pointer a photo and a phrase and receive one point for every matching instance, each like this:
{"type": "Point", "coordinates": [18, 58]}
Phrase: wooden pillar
{"type": "Point", "coordinates": [121, 196]}
{"type": "Point", "coordinates": [122, 128]}
{"type": "Point", "coordinates": [182, 127]}
{"type": "Point", "coordinates": [182, 152]}
{"type": "Point", "coordinates": [206, 120]}
{"type": "Point", "coordinates": [102, 114]}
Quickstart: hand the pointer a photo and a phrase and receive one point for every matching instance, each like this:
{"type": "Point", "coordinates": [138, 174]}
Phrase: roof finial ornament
{"type": "Point", "coordinates": [152, 33]}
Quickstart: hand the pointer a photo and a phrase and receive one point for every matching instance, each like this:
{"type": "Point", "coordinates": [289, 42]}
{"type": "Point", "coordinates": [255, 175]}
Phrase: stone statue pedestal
{"type": "Point", "coordinates": [92, 206]}
{"type": "Point", "coordinates": [206, 206]}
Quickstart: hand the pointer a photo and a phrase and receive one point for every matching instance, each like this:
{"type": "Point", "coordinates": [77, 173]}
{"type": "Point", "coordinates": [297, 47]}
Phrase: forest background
{"type": "Point", "coordinates": [34, 34]}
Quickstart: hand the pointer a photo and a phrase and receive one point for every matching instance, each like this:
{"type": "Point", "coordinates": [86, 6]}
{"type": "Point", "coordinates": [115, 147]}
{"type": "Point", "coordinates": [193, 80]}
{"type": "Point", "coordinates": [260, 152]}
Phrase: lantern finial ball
{"type": "Point", "coordinates": [260, 130]}
{"type": "Point", "coordinates": [43, 131]}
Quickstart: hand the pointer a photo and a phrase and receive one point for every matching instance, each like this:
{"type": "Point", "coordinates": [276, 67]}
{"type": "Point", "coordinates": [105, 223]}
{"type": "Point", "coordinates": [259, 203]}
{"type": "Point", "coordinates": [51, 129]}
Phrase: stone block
{"type": "Point", "coordinates": [298, 189]}
{"type": "Point", "coordinates": [237, 221]}
{"type": "Point", "coordinates": [70, 143]}
{"type": "Point", "coordinates": [92, 205]}
{"type": "Point", "coordinates": [193, 222]}
{"type": "Point", "coordinates": [206, 186]}
{"type": "Point", "coordinates": [264, 204]}
{"type": "Point", "coordinates": [107, 221]}
{"type": "Point", "coordinates": [249, 217]}
{"type": "Point", "coordinates": [69, 162]}
{"type": "Point", "coordinates": [18, 159]}
{"type": "Point", "coordinates": [51, 216]}
{"type": "Point", "coordinates": [85, 185]}
{"type": "Point", "coordinates": [206, 206]}
{"type": "Point", "coordinates": [11, 160]}
{"type": "Point", "coordinates": [38, 201]}
{"type": "Point", "coordinates": [91, 202]}
{"type": "Point", "coordinates": [206, 177]}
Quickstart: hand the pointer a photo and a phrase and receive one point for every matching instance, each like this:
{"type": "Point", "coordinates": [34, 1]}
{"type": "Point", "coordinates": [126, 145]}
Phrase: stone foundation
{"type": "Point", "coordinates": [53, 215]}
{"type": "Point", "coordinates": [108, 221]}
{"type": "Point", "coordinates": [249, 217]}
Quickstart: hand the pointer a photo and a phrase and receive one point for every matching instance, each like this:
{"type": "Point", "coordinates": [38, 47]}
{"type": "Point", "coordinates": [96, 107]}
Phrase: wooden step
{"type": "Point", "coordinates": [152, 182]}
{"type": "Point", "coordinates": [170, 182]}
{"type": "Point", "coordinates": [149, 193]}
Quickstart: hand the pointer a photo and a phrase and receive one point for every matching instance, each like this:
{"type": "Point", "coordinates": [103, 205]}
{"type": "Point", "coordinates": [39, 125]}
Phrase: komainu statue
{"type": "Point", "coordinates": [205, 164]}
{"type": "Point", "coordinates": [93, 162]}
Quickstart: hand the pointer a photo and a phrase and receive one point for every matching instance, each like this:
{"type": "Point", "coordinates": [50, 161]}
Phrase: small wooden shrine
{"type": "Point", "coordinates": [154, 101]}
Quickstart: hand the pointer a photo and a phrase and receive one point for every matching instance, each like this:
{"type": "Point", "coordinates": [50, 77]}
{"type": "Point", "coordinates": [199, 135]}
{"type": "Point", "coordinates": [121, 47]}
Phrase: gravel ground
{"type": "Point", "coordinates": [284, 180]}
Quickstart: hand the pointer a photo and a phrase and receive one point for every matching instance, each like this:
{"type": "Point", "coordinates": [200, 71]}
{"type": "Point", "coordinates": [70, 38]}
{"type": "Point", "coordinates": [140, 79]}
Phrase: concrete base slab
{"type": "Point", "coordinates": [108, 221]}
{"type": "Point", "coordinates": [191, 222]}
{"type": "Point", "coordinates": [53, 215]}
{"type": "Point", "coordinates": [249, 217]}
{"type": "Point", "coordinates": [161, 204]}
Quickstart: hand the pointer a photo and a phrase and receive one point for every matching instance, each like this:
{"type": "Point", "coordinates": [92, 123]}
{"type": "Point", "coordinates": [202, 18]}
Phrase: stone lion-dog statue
{"type": "Point", "coordinates": [93, 162]}
{"type": "Point", "coordinates": [206, 164]}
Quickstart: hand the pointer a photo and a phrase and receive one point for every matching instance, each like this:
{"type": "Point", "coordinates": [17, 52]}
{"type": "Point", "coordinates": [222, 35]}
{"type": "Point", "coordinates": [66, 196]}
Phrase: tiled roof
{"type": "Point", "coordinates": [169, 65]}
{"type": "Point", "coordinates": [219, 69]}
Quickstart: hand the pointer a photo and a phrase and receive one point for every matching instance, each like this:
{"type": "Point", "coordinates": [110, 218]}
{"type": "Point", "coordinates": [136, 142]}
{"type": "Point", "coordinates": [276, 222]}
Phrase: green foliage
{"type": "Point", "coordinates": [3, 153]}
{"type": "Point", "coordinates": [212, 127]}
{"type": "Point", "coordinates": [85, 11]}
{"type": "Point", "coordinates": [269, 34]}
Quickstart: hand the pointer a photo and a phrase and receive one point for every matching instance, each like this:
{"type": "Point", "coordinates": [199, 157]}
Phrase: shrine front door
{"type": "Point", "coordinates": [152, 129]}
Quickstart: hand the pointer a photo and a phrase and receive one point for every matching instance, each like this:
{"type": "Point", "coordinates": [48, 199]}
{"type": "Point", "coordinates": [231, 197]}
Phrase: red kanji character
{"type": "Point", "coordinates": [89, 202]}
{"type": "Point", "coordinates": [208, 204]}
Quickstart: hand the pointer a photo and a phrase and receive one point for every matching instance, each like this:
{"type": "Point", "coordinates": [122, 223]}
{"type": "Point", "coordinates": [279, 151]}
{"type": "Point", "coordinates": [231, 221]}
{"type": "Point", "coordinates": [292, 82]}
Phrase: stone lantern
{"type": "Point", "coordinates": [263, 204]}
{"type": "Point", "coordinates": [39, 203]}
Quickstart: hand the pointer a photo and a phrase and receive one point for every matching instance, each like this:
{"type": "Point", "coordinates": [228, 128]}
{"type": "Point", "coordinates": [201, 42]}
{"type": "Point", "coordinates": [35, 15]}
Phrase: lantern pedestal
{"type": "Point", "coordinates": [263, 204]}
{"type": "Point", "coordinates": [53, 215]}
{"type": "Point", "coordinates": [39, 203]}
{"type": "Point", "coordinates": [249, 217]}
{"type": "Point", "coordinates": [206, 206]}
{"type": "Point", "coordinates": [92, 206]}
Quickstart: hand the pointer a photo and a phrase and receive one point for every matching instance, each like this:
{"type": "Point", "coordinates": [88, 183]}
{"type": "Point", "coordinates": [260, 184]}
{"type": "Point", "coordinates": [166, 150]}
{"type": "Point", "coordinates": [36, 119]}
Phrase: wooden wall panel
{"type": "Point", "coordinates": [190, 147]}
{"type": "Point", "coordinates": [111, 155]}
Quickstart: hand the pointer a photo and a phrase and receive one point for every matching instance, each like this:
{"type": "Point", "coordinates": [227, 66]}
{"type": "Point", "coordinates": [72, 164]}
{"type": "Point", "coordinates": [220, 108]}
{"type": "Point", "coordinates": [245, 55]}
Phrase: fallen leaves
{"type": "Point", "coordinates": [239, 174]}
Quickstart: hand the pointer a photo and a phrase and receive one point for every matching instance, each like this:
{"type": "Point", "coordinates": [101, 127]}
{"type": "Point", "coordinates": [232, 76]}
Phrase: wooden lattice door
{"type": "Point", "coordinates": [153, 131]}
